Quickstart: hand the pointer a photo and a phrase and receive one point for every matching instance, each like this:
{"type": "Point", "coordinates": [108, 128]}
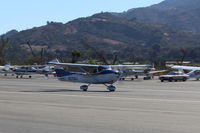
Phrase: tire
{"type": "Point", "coordinates": [170, 80]}
{"type": "Point", "coordinates": [84, 87]}
{"type": "Point", "coordinates": [111, 88]}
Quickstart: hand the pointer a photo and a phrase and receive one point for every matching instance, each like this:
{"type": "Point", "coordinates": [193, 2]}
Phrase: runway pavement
{"type": "Point", "coordinates": [50, 106]}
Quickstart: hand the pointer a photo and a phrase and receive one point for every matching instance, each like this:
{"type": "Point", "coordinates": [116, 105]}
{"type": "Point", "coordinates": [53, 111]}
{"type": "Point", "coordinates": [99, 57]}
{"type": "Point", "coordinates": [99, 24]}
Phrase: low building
{"type": "Point", "coordinates": [167, 63]}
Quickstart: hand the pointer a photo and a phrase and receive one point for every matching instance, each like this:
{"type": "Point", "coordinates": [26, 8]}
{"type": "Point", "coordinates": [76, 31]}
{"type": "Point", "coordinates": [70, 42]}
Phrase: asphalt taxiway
{"type": "Point", "coordinates": [41, 105]}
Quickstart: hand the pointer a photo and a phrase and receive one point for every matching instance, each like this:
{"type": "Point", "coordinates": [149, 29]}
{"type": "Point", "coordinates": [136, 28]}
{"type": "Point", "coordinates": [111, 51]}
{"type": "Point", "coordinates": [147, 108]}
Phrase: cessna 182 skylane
{"type": "Point", "coordinates": [93, 74]}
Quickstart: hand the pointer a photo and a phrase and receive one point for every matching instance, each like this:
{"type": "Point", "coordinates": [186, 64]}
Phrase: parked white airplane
{"type": "Point", "coordinates": [193, 72]}
{"type": "Point", "coordinates": [30, 70]}
{"type": "Point", "coordinates": [93, 74]}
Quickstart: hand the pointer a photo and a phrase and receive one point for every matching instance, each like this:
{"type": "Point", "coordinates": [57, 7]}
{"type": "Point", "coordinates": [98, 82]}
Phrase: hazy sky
{"type": "Point", "coordinates": [25, 14]}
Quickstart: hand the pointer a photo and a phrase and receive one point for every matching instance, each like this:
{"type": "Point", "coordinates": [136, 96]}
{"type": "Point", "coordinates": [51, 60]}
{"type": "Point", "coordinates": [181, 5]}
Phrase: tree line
{"type": "Point", "coordinates": [155, 54]}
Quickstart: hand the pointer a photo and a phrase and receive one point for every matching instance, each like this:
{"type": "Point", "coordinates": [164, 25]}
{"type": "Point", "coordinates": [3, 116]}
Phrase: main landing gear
{"type": "Point", "coordinates": [111, 88]}
{"type": "Point", "coordinates": [21, 76]}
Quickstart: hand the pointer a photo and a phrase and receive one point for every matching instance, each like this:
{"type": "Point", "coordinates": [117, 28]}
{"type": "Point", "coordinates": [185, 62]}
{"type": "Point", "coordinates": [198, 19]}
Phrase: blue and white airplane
{"type": "Point", "coordinates": [193, 72]}
{"type": "Point", "coordinates": [93, 74]}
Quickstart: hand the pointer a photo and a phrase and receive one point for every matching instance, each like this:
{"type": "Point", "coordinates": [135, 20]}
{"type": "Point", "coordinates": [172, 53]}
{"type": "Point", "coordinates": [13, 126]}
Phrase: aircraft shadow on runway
{"type": "Point", "coordinates": [69, 90]}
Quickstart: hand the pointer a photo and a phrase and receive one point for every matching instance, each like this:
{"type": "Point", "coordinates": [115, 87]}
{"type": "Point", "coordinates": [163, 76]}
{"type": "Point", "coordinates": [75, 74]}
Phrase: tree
{"type": "Point", "coordinates": [99, 54]}
{"type": "Point", "coordinates": [35, 58]}
{"type": "Point", "coordinates": [3, 45]}
{"type": "Point", "coordinates": [75, 55]}
{"type": "Point", "coordinates": [183, 54]}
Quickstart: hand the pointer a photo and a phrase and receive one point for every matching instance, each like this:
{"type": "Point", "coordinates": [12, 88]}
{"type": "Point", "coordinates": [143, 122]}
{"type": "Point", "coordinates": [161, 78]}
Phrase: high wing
{"type": "Point", "coordinates": [56, 62]}
{"type": "Point", "coordinates": [185, 67]}
{"type": "Point", "coordinates": [133, 67]}
{"type": "Point", "coordinates": [90, 68]}
{"type": "Point", "coordinates": [73, 67]}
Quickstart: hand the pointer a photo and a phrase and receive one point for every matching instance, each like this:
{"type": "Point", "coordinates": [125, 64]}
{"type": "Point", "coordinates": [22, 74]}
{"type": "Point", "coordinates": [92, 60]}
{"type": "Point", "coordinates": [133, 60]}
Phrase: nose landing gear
{"type": "Point", "coordinates": [84, 87]}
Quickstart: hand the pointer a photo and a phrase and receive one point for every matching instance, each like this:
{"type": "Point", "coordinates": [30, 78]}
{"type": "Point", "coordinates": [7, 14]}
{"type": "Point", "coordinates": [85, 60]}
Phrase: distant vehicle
{"type": "Point", "coordinates": [174, 76]}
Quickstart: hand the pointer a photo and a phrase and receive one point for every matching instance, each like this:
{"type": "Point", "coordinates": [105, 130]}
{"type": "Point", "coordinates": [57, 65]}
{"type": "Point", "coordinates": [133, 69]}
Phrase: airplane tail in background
{"type": "Point", "coordinates": [55, 61]}
{"type": "Point", "coordinates": [6, 67]}
{"type": "Point", "coordinates": [61, 73]}
{"type": "Point", "coordinates": [194, 74]}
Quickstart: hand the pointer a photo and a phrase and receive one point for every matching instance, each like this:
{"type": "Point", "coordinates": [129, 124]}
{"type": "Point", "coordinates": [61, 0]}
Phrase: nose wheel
{"type": "Point", "coordinates": [84, 87]}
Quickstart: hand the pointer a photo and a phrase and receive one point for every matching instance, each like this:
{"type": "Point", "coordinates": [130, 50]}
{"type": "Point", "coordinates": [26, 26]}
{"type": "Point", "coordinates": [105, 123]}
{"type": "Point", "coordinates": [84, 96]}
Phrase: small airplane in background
{"type": "Point", "coordinates": [193, 72]}
{"type": "Point", "coordinates": [6, 69]}
{"type": "Point", "coordinates": [30, 70]}
{"type": "Point", "coordinates": [20, 71]}
{"type": "Point", "coordinates": [92, 74]}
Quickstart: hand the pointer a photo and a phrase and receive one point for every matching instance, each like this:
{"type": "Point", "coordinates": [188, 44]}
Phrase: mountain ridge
{"type": "Point", "coordinates": [179, 14]}
{"type": "Point", "coordinates": [131, 39]}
